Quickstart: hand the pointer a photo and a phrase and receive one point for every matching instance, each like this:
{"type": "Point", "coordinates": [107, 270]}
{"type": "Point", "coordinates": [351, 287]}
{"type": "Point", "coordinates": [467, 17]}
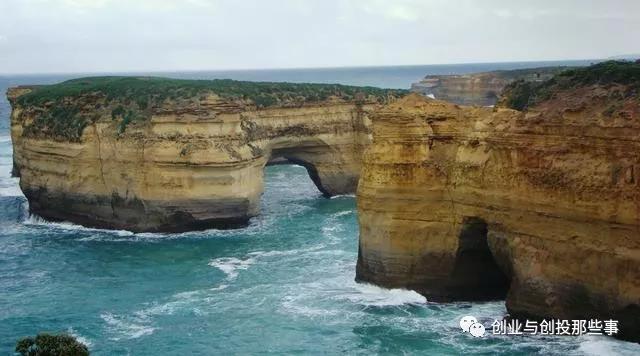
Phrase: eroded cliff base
{"type": "Point", "coordinates": [134, 215]}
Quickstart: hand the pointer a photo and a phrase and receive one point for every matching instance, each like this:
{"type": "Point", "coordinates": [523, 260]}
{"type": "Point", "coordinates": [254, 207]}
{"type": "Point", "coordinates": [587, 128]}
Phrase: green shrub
{"type": "Point", "coordinates": [143, 102]}
{"type": "Point", "coordinates": [61, 121]}
{"type": "Point", "coordinates": [127, 118]}
{"type": "Point", "coordinates": [145, 91]}
{"type": "Point", "coordinates": [521, 95]}
{"type": "Point", "coordinates": [51, 345]}
{"type": "Point", "coordinates": [119, 111]}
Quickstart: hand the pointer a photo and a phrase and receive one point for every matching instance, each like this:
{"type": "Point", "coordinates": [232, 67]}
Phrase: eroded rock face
{"type": "Point", "coordinates": [478, 88]}
{"type": "Point", "coordinates": [464, 203]}
{"type": "Point", "coordinates": [196, 163]}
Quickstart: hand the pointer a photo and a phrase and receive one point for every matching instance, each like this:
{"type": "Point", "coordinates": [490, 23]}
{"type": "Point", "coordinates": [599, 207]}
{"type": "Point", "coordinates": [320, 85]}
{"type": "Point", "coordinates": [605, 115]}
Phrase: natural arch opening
{"type": "Point", "coordinates": [313, 174]}
{"type": "Point", "coordinates": [291, 156]}
{"type": "Point", "coordinates": [476, 274]}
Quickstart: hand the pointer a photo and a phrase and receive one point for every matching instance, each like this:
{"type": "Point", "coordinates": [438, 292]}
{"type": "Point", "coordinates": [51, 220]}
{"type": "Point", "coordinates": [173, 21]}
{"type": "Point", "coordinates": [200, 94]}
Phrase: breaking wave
{"type": "Point", "coordinates": [231, 265]}
{"type": "Point", "coordinates": [128, 328]}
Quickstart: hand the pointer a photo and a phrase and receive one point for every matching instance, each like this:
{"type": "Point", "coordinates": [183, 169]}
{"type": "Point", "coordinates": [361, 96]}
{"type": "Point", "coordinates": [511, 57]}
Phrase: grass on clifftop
{"type": "Point", "coordinates": [132, 99]}
{"type": "Point", "coordinates": [144, 90]}
{"type": "Point", "coordinates": [521, 95]}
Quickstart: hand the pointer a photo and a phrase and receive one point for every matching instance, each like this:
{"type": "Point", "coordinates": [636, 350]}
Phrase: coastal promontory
{"type": "Point", "coordinates": [481, 88]}
{"type": "Point", "coordinates": [540, 205]}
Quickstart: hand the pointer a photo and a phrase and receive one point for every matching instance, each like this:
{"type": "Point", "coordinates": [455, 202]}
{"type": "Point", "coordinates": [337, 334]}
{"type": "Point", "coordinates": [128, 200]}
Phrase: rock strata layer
{"type": "Point", "coordinates": [543, 207]}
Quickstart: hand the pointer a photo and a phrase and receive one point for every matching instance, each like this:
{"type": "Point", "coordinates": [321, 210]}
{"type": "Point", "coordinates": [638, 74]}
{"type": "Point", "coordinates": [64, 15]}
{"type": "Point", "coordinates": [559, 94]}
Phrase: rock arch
{"type": "Point", "coordinates": [187, 169]}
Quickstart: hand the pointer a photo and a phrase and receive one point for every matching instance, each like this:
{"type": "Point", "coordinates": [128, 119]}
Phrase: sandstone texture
{"type": "Point", "coordinates": [541, 207]}
{"type": "Point", "coordinates": [194, 162]}
{"type": "Point", "coordinates": [478, 88]}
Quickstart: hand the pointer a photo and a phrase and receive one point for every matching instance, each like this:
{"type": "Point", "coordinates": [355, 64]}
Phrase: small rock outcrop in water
{"type": "Point", "coordinates": [541, 207]}
{"type": "Point", "coordinates": [154, 154]}
{"type": "Point", "coordinates": [479, 88]}
{"type": "Point", "coordinates": [51, 345]}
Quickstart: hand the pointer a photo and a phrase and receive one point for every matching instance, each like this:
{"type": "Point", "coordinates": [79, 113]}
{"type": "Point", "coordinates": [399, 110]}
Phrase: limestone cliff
{"type": "Point", "coordinates": [543, 206]}
{"type": "Point", "coordinates": [478, 88]}
{"type": "Point", "coordinates": [125, 154]}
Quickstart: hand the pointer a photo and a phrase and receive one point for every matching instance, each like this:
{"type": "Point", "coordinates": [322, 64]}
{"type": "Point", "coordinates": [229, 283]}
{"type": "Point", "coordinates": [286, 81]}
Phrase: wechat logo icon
{"type": "Point", "coordinates": [469, 324]}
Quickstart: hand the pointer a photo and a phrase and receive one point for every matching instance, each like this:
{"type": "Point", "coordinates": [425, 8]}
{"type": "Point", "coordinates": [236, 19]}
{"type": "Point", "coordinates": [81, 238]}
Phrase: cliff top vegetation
{"type": "Point", "coordinates": [62, 111]}
{"type": "Point", "coordinates": [542, 72]}
{"type": "Point", "coordinates": [156, 89]}
{"type": "Point", "coordinates": [521, 95]}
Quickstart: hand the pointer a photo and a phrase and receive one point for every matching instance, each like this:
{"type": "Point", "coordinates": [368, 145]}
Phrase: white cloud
{"type": "Point", "coordinates": [504, 13]}
{"type": "Point", "coordinates": [91, 4]}
{"type": "Point", "coordinates": [393, 10]}
{"type": "Point", "coordinates": [121, 35]}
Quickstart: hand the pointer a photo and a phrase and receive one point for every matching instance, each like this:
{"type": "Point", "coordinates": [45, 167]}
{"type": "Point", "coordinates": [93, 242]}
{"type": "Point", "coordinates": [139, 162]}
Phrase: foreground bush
{"type": "Point", "coordinates": [51, 345]}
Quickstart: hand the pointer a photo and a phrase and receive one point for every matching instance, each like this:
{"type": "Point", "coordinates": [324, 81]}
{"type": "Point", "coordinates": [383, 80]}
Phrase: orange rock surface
{"type": "Point", "coordinates": [543, 207]}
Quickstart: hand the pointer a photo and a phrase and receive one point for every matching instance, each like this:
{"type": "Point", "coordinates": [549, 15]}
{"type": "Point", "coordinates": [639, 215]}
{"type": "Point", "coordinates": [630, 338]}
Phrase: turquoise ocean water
{"type": "Point", "coordinates": [284, 285]}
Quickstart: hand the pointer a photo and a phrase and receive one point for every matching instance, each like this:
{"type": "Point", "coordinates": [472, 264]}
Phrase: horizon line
{"type": "Point", "coordinates": [133, 71]}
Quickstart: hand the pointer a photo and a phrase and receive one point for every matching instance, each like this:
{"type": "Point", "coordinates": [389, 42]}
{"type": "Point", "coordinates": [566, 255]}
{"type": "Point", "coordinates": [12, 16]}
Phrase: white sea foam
{"type": "Point", "coordinates": [191, 301]}
{"type": "Point", "coordinates": [286, 252]}
{"type": "Point", "coordinates": [168, 308]}
{"type": "Point", "coordinates": [231, 265]}
{"type": "Point", "coordinates": [116, 235]}
{"type": "Point", "coordinates": [370, 295]}
{"type": "Point", "coordinates": [107, 235]}
{"type": "Point", "coordinates": [342, 213]}
{"type": "Point", "coordinates": [309, 300]}
{"type": "Point", "coordinates": [343, 196]}
{"type": "Point", "coordinates": [128, 329]}
{"type": "Point", "coordinates": [71, 331]}
{"type": "Point", "coordinates": [297, 305]}
{"type": "Point", "coordinates": [10, 191]}
{"type": "Point", "coordinates": [9, 185]}
{"type": "Point", "coordinates": [36, 220]}
{"type": "Point", "coordinates": [332, 226]}
{"type": "Point", "coordinates": [601, 345]}
{"type": "Point", "coordinates": [317, 298]}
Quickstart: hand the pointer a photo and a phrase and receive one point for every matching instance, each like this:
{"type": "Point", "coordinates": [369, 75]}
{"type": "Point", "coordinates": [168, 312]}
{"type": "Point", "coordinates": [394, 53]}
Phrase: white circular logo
{"type": "Point", "coordinates": [477, 330]}
{"type": "Point", "coordinates": [466, 322]}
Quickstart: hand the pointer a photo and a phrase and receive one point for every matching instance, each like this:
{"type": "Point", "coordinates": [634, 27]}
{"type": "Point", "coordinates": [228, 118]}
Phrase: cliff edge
{"type": "Point", "coordinates": [541, 207]}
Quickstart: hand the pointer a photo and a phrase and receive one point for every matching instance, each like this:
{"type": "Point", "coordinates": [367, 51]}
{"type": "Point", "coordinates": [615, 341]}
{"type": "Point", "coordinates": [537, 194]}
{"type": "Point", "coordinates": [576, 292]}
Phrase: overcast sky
{"type": "Point", "coordinates": [38, 36]}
